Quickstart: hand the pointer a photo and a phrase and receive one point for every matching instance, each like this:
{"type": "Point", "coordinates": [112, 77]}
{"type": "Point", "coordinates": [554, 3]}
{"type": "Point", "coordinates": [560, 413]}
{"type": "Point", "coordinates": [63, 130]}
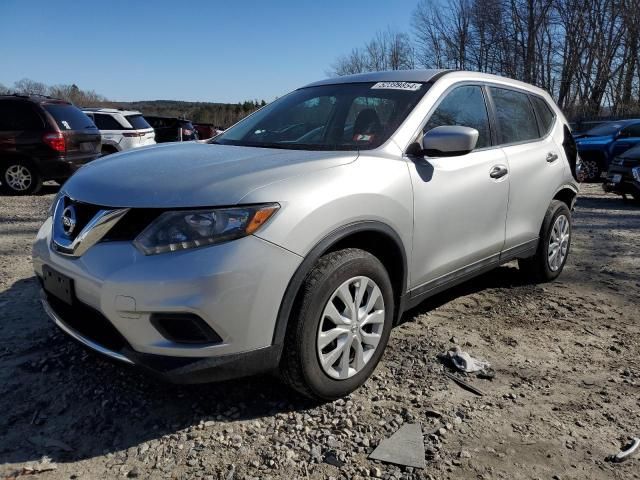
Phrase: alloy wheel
{"type": "Point", "coordinates": [350, 328]}
{"type": "Point", "coordinates": [18, 178]}
{"type": "Point", "coordinates": [558, 243]}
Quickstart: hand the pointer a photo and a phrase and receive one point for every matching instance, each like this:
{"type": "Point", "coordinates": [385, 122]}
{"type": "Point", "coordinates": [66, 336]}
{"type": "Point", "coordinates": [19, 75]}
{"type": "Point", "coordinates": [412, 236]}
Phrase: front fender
{"type": "Point", "coordinates": [372, 188]}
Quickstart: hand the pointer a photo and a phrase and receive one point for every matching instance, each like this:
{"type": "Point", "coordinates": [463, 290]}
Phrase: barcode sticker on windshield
{"type": "Point", "coordinates": [412, 87]}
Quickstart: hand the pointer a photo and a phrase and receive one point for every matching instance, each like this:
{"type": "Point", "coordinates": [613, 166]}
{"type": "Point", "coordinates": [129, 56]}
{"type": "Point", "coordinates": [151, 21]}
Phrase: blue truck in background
{"type": "Point", "coordinates": [600, 145]}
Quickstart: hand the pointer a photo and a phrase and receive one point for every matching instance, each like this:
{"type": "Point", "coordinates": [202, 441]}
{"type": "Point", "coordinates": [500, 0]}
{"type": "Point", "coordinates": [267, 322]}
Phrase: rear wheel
{"type": "Point", "coordinates": [553, 247]}
{"type": "Point", "coordinates": [338, 332]}
{"type": "Point", "coordinates": [19, 178]}
{"type": "Point", "coordinates": [592, 170]}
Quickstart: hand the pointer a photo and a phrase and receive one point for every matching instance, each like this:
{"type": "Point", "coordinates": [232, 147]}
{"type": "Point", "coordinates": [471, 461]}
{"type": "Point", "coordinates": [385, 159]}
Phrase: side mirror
{"type": "Point", "coordinates": [449, 141]}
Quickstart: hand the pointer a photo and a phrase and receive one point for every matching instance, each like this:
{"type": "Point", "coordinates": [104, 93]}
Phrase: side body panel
{"type": "Point", "coordinates": [534, 182]}
{"type": "Point", "coordinates": [460, 213]}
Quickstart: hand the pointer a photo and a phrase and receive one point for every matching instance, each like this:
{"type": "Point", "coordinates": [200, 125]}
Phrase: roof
{"type": "Point", "coordinates": [111, 110]}
{"type": "Point", "coordinates": [33, 98]}
{"type": "Point", "coordinates": [387, 76]}
{"type": "Point", "coordinates": [168, 118]}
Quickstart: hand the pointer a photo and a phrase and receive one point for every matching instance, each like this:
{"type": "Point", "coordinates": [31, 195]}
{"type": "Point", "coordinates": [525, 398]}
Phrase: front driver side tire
{"type": "Point", "coordinates": [340, 325]}
{"type": "Point", "coordinates": [553, 246]}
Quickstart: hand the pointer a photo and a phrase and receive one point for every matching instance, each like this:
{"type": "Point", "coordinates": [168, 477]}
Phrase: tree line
{"type": "Point", "coordinates": [584, 52]}
{"type": "Point", "coordinates": [220, 114]}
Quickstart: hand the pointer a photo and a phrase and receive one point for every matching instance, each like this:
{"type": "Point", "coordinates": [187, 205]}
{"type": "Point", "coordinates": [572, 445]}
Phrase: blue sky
{"type": "Point", "coordinates": [225, 51]}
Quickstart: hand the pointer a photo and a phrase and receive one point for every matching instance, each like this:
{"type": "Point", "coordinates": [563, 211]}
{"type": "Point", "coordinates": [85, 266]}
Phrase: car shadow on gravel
{"type": "Point", "coordinates": [606, 203]}
{"type": "Point", "coordinates": [59, 400]}
{"type": "Point", "coordinates": [506, 276]}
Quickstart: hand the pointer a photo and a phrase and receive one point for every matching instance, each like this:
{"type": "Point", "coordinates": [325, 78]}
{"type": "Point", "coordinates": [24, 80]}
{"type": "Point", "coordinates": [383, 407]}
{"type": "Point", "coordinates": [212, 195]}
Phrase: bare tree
{"type": "Point", "coordinates": [27, 86]}
{"type": "Point", "coordinates": [387, 50]}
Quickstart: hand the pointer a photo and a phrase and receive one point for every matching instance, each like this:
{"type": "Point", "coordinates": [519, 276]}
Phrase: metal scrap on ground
{"type": "Point", "coordinates": [623, 455]}
{"type": "Point", "coordinates": [463, 384]}
{"type": "Point", "coordinates": [405, 447]}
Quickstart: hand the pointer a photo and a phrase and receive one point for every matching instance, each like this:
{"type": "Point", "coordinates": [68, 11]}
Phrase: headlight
{"type": "Point", "coordinates": [185, 229]}
{"type": "Point", "coordinates": [636, 173]}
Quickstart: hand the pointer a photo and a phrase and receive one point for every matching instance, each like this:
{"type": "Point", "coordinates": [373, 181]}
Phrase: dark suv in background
{"type": "Point", "coordinates": [623, 176]}
{"type": "Point", "coordinates": [42, 138]}
{"type": "Point", "coordinates": [171, 129]}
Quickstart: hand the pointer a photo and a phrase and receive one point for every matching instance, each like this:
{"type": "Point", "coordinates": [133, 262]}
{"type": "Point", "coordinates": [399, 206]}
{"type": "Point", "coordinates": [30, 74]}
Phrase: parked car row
{"type": "Point", "coordinates": [43, 138]}
{"type": "Point", "coordinates": [613, 149]}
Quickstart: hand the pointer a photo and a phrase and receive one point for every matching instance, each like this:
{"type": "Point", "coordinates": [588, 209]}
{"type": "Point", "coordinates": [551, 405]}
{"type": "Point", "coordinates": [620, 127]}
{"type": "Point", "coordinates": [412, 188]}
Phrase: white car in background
{"type": "Point", "coordinates": [121, 129]}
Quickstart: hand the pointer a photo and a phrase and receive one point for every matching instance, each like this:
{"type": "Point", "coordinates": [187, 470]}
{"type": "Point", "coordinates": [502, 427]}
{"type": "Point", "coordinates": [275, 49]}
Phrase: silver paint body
{"type": "Point", "coordinates": [449, 214]}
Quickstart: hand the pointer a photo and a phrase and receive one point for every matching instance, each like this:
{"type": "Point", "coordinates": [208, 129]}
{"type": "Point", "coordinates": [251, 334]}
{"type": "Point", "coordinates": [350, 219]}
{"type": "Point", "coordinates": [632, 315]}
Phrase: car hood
{"type": "Point", "coordinates": [594, 141]}
{"type": "Point", "coordinates": [191, 174]}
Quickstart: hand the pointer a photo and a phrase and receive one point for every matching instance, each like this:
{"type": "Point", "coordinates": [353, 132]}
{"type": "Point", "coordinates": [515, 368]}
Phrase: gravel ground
{"type": "Point", "coordinates": [566, 392]}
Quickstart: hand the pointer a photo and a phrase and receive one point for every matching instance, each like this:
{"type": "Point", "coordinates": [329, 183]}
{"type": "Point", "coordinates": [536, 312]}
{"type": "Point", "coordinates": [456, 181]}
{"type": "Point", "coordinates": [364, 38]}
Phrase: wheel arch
{"type": "Point", "coordinates": [376, 237]}
{"type": "Point", "coordinates": [110, 146]}
{"type": "Point", "coordinates": [567, 195]}
{"type": "Point", "coordinates": [5, 156]}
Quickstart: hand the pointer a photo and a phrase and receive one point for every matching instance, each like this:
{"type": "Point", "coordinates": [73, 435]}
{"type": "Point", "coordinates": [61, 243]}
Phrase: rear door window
{"type": "Point", "coordinates": [107, 122]}
{"type": "Point", "coordinates": [69, 117]}
{"type": "Point", "coordinates": [545, 114]}
{"type": "Point", "coordinates": [19, 116]}
{"type": "Point", "coordinates": [464, 106]}
{"type": "Point", "coordinates": [137, 121]}
{"type": "Point", "coordinates": [516, 119]}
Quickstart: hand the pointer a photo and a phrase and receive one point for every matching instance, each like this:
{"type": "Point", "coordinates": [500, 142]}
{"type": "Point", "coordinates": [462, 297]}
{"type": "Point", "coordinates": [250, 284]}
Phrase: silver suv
{"type": "Point", "coordinates": [295, 240]}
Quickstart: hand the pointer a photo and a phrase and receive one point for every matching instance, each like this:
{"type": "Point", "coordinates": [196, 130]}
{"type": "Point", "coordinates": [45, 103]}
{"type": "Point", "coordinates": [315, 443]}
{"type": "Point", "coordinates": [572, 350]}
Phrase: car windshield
{"type": "Point", "coordinates": [68, 117]}
{"type": "Point", "coordinates": [347, 116]}
{"type": "Point", "coordinates": [604, 129]}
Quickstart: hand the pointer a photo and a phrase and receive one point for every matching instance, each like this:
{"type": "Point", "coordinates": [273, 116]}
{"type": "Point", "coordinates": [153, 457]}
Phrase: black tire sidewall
{"type": "Point", "coordinates": [355, 264]}
{"type": "Point", "coordinates": [36, 181]}
{"type": "Point", "coordinates": [556, 209]}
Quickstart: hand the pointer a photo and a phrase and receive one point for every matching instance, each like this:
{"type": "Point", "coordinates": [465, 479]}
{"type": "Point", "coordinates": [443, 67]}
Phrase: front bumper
{"type": "Point", "coordinates": [627, 184]}
{"type": "Point", "coordinates": [180, 370]}
{"type": "Point", "coordinates": [235, 287]}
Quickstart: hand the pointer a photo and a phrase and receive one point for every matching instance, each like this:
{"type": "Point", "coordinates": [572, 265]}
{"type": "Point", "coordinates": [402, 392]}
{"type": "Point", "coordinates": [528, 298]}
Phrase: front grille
{"type": "Point", "coordinates": [132, 224]}
{"type": "Point", "coordinates": [88, 322]}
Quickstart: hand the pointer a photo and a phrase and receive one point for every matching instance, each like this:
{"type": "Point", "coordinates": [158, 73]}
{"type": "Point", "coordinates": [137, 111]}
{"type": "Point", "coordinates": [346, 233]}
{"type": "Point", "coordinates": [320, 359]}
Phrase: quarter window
{"type": "Point", "coordinates": [19, 116]}
{"type": "Point", "coordinates": [464, 106]}
{"type": "Point", "coordinates": [515, 116]}
{"type": "Point", "coordinates": [544, 113]}
{"type": "Point", "coordinates": [107, 122]}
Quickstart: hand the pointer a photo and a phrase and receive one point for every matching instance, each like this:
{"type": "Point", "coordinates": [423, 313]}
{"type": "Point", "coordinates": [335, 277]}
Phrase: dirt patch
{"type": "Point", "coordinates": [566, 392]}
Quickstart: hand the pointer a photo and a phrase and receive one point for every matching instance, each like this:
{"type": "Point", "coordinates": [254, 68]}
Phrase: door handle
{"type": "Point", "coordinates": [498, 171]}
{"type": "Point", "coordinates": [552, 157]}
